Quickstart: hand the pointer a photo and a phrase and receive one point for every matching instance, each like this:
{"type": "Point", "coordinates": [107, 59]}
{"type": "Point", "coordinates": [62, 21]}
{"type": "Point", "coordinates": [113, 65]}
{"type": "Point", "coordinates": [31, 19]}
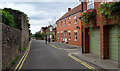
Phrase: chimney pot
{"type": "Point", "coordinates": [69, 9]}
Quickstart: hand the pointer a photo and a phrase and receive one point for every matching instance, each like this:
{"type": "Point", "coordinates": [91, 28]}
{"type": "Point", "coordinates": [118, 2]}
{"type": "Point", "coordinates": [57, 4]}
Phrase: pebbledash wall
{"type": "Point", "coordinates": [106, 44]}
{"type": "Point", "coordinates": [70, 27]}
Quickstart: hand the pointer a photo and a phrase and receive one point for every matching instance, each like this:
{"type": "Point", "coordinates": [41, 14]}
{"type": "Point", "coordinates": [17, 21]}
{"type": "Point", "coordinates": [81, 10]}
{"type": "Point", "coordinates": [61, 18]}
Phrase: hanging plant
{"type": "Point", "coordinates": [88, 19]}
{"type": "Point", "coordinates": [110, 10]}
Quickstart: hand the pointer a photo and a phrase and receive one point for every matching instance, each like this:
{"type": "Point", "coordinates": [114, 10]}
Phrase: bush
{"type": "Point", "coordinates": [7, 19]}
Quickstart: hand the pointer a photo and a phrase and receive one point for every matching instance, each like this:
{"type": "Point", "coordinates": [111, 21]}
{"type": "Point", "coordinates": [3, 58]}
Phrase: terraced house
{"type": "Point", "coordinates": [104, 39]}
{"type": "Point", "coordinates": [69, 27]}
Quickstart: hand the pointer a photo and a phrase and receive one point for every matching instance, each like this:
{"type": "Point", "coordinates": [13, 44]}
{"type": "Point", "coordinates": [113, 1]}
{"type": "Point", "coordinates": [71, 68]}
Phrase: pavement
{"type": "Point", "coordinates": [107, 64]}
{"type": "Point", "coordinates": [44, 56]}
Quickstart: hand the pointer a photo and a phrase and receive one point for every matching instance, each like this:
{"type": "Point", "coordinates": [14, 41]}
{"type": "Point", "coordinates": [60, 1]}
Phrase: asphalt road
{"type": "Point", "coordinates": [44, 56]}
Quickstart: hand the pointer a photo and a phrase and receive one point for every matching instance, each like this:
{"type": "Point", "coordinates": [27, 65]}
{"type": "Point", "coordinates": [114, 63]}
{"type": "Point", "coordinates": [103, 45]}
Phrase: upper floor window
{"type": "Point", "coordinates": [75, 19]}
{"type": "Point", "coordinates": [65, 22]}
{"type": "Point", "coordinates": [69, 35]}
{"type": "Point", "coordinates": [90, 4]}
{"type": "Point", "coordinates": [61, 23]}
{"type": "Point", "coordinates": [69, 21]}
{"type": "Point", "coordinates": [50, 28]}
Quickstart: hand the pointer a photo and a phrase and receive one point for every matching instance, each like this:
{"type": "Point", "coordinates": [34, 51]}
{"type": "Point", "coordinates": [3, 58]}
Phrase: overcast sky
{"type": "Point", "coordinates": [41, 13]}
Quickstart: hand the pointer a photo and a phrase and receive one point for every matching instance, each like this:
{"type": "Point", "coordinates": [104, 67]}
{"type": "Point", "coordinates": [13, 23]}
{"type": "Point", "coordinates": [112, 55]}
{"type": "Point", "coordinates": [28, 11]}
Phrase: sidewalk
{"type": "Point", "coordinates": [91, 58]}
{"type": "Point", "coordinates": [65, 46]}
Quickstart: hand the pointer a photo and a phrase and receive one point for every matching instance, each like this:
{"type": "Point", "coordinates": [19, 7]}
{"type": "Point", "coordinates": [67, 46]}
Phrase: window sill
{"type": "Point", "coordinates": [75, 40]}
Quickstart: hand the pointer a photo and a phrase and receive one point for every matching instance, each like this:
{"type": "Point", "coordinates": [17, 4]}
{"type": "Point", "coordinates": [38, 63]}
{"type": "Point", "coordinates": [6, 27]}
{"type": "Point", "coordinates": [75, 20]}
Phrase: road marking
{"type": "Point", "coordinates": [83, 63]}
{"type": "Point", "coordinates": [23, 57]}
{"type": "Point", "coordinates": [78, 60]}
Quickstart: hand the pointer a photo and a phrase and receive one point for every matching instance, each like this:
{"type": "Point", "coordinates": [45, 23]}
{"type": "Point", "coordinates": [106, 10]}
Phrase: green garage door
{"type": "Point", "coordinates": [114, 42]}
{"type": "Point", "coordinates": [95, 42]}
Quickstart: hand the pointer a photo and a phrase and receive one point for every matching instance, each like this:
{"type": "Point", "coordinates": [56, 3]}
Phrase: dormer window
{"type": "Point", "coordinates": [90, 4]}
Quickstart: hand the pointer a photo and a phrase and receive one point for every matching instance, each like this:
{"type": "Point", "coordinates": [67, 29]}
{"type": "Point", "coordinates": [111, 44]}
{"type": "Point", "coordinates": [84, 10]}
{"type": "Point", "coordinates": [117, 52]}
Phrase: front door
{"type": "Point", "coordinates": [65, 37]}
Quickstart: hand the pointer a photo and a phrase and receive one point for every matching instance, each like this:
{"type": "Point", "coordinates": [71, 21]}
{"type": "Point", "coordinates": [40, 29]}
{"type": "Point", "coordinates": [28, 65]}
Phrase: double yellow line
{"type": "Point", "coordinates": [81, 62]}
{"type": "Point", "coordinates": [20, 64]}
{"type": "Point", "coordinates": [78, 60]}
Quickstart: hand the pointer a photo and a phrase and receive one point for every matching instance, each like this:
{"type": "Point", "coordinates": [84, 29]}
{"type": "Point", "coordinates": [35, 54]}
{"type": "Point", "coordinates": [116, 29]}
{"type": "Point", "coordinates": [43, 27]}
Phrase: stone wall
{"type": "Point", "coordinates": [25, 33]}
{"type": "Point", "coordinates": [0, 46]}
{"type": "Point", "coordinates": [11, 44]}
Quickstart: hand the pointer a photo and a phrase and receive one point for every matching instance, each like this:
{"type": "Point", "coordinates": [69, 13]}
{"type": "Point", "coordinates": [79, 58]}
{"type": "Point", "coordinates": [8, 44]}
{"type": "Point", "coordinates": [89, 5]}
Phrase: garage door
{"type": "Point", "coordinates": [114, 42]}
{"type": "Point", "coordinates": [95, 42]}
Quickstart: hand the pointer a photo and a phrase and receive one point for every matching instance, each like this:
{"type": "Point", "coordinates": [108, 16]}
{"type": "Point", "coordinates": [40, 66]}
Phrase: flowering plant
{"type": "Point", "coordinates": [110, 10]}
{"type": "Point", "coordinates": [88, 17]}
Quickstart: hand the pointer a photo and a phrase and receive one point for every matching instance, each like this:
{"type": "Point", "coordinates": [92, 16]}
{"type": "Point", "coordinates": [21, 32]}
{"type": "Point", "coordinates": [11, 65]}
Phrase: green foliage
{"type": "Point", "coordinates": [20, 49]}
{"type": "Point", "coordinates": [13, 63]}
{"type": "Point", "coordinates": [17, 58]}
{"type": "Point", "coordinates": [7, 19]}
{"type": "Point", "coordinates": [24, 49]}
{"type": "Point", "coordinates": [88, 19]}
{"type": "Point", "coordinates": [110, 10]}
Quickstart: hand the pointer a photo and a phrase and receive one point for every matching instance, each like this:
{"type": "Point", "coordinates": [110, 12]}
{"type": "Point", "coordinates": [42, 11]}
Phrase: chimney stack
{"type": "Point", "coordinates": [69, 9]}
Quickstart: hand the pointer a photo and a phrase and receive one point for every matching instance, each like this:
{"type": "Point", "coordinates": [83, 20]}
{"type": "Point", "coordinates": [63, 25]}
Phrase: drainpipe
{"type": "Point", "coordinates": [81, 22]}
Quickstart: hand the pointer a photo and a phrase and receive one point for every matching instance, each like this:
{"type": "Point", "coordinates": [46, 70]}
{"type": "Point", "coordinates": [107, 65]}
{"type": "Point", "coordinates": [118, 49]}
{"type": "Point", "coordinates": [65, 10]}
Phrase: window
{"type": "Point", "coordinates": [75, 19]}
{"type": "Point", "coordinates": [69, 21]}
{"type": "Point", "coordinates": [51, 29]}
{"type": "Point", "coordinates": [65, 22]}
{"type": "Point", "coordinates": [75, 32]}
{"type": "Point", "coordinates": [61, 23]}
{"type": "Point", "coordinates": [69, 35]}
{"type": "Point", "coordinates": [90, 4]}
{"type": "Point", "coordinates": [58, 35]}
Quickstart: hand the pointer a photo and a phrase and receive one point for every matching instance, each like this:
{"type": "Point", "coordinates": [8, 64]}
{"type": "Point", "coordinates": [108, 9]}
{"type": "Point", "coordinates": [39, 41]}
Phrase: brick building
{"type": "Point", "coordinates": [68, 27]}
{"type": "Point", "coordinates": [104, 41]}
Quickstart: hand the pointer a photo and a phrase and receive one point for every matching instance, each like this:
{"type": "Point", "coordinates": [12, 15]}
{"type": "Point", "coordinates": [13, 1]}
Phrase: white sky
{"type": "Point", "coordinates": [41, 13]}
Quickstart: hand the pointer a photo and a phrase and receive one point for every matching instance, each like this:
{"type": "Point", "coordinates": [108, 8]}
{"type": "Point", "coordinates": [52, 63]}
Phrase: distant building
{"type": "Point", "coordinates": [68, 27]}
{"type": "Point", "coordinates": [49, 31]}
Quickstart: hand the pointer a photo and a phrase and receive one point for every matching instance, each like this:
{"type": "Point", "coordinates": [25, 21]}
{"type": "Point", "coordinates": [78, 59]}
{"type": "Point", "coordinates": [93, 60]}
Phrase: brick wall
{"type": "Point", "coordinates": [104, 33]}
{"type": "Point", "coordinates": [71, 28]}
{"type": "Point", "coordinates": [11, 42]}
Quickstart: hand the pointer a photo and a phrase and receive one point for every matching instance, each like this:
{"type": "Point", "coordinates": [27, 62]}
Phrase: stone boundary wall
{"type": "Point", "coordinates": [11, 45]}
{"type": "Point", "coordinates": [0, 46]}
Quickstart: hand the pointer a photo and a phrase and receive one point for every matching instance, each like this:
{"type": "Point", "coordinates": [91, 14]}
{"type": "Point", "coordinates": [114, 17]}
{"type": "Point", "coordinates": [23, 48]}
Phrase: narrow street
{"type": "Point", "coordinates": [44, 56]}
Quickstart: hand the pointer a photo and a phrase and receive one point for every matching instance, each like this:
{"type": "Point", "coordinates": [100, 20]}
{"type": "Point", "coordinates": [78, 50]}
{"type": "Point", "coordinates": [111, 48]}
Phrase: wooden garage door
{"type": "Point", "coordinates": [95, 42]}
{"type": "Point", "coordinates": [114, 42]}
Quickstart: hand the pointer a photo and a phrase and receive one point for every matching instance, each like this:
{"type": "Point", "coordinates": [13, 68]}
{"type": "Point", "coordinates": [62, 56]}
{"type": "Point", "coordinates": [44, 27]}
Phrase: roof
{"type": "Point", "coordinates": [44, 28]}
{"type": "Point", "coordinates": [71, 12]}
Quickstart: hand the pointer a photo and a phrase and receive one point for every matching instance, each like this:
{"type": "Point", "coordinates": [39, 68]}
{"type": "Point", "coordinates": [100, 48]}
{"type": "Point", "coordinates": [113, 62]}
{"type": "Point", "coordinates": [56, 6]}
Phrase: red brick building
{"type": "Point", "coordinates": [104, 41]}
{"type": "Point", "coordinates": [69, 27]}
